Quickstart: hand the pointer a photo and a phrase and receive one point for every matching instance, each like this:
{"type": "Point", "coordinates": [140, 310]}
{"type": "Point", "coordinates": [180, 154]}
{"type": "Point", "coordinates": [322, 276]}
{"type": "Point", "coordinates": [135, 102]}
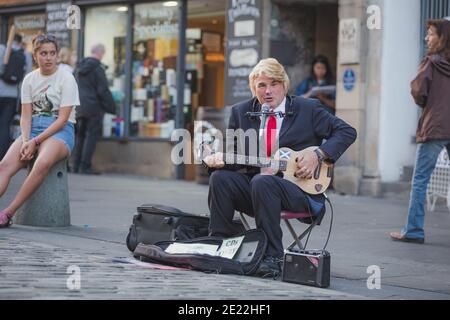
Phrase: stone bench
{"type": "Point", "coordinates": [49, 205]}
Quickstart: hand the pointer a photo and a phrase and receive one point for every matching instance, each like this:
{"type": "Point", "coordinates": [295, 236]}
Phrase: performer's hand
{"type": "Point", "coordinates": [215, 161]}
{"type": "Point", "coordinates": [307, 165]}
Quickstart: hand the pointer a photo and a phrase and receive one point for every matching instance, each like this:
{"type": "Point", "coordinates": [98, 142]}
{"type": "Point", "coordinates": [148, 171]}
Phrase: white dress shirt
{"type": "Point", "coordinates": [281, 108]}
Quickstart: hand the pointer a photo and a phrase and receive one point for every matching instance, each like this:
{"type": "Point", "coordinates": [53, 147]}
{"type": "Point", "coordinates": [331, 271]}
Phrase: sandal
{"type": "Point", "coordinates": [5, 220]}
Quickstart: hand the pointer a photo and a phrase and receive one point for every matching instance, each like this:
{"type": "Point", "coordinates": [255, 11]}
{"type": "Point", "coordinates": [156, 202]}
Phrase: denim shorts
{"type": "Point", "coordinates": [66, 134]}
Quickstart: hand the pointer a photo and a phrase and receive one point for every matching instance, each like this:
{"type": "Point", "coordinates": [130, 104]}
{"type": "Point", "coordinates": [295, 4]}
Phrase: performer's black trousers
{"type": "Point", "coordinates": [262, 197]}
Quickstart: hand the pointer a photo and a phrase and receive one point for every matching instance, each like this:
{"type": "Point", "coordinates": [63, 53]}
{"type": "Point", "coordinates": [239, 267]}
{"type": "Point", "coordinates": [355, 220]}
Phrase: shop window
{"type": "Point", "coordinates": [113, 38]}
{"type": "Point", "coordinates": [155, 50]}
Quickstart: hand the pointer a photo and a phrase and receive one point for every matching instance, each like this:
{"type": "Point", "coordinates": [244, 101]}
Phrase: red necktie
{"type": "Point", "coordinates": [271, 135]}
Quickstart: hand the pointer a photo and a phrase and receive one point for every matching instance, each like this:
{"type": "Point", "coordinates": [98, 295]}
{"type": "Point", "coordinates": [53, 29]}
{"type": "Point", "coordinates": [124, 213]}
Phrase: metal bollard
{"type": "Point", "coordinates": [49, 205]}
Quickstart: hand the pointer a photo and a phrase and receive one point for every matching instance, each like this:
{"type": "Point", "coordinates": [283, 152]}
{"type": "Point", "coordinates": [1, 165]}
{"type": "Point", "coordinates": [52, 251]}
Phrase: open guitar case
{"type": "Point", "coordinates": [244, 262]}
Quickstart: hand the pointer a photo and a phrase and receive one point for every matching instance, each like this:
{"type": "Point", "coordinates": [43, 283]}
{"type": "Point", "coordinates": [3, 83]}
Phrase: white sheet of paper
{"type": "Point", "coordinates": [229, 247]}
{"type": "Point", "coordinates": [192, 248]}
{"type": "Point", "coordinates": [323, 90]}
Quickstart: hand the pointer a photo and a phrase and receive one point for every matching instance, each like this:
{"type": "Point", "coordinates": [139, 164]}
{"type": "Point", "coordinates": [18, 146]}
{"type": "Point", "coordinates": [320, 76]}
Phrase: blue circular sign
{"type": "Point", "coordinates": [349, 79]}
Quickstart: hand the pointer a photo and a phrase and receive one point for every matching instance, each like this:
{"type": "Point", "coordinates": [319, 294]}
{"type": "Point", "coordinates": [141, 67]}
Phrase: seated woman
{"type": "Point", "coordinates": [49, 97]}
{"type": "Point", "coordinates": [321, 75]}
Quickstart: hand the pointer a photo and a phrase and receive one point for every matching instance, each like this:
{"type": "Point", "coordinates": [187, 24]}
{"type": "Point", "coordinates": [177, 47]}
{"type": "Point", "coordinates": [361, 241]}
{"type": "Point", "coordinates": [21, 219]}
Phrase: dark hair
{"type": "Point", "coordinates": [323, 60]}
{"type": "Point", "coordinates": [44, 38]}
{"type": "Point", "coordinates": [443, 31]}
{"type": "Point", "coordinates": [18, 38]}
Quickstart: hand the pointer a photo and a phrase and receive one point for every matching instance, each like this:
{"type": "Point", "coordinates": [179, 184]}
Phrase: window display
{"type": "Point", "coordinates": [113, 38]}
{"type": "Point", "coordinates": [155, 50]}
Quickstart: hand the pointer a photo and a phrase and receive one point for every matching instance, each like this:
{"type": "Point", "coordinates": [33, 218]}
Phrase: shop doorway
{"type": "Point", "coordinates": [300, 31]}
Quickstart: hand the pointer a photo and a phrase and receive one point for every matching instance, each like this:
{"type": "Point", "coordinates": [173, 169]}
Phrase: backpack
{"type": "Point", "coordinates": [240, 255]}
{"type": "Point", "coordinates": [15, 69]}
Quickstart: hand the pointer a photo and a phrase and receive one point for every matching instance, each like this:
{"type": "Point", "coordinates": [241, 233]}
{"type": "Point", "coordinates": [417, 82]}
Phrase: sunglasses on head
{"type": "Point", "coordinates": [45, 38]}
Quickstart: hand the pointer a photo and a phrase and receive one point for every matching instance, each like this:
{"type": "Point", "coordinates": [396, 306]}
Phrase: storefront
{"type": "Point", "coordinates": [220, 42]}
{"type": "Point", "coordinates": [147, 109]}
{"type": "Point", "coordinates": [142, 55]}
{"type": "Point", "coordinates": [142, 40]}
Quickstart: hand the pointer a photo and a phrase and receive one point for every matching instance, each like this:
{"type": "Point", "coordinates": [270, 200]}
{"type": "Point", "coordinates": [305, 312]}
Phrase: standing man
{"type": "Point", "coordinates": [96, 99]}
{"type": "Point", "coordinates": [306, 124]}
{"type": "Point", "coordinates": [11, 74]}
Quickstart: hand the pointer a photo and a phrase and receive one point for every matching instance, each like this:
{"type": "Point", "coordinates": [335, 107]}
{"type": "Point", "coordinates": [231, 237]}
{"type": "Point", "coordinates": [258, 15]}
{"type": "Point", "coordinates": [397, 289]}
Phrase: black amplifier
{"type": "Point", "coordinates": [310, 267]}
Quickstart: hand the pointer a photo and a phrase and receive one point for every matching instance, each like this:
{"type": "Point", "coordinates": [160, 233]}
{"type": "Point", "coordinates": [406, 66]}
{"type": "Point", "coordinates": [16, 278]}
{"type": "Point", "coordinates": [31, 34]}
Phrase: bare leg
{"type": "Point", "coordinates": [10, 165]}
{"type": "Point", "coordinates": [50, 152]}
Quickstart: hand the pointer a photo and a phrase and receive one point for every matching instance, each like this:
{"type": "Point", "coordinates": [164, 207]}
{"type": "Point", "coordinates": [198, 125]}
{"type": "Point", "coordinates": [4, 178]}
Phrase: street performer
{"type": "Point", "coordinates": [238, 187]}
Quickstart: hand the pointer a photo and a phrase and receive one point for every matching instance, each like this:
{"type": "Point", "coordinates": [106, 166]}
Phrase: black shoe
{"type": "Point", "coordinates": [270, 267]}
{"type": "Point", "coordinates": [90, 171]}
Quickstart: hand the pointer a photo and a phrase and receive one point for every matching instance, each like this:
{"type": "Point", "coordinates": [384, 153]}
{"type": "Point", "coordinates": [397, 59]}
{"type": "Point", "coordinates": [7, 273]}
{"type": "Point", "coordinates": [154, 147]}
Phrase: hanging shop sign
{"type": "Point", "coordinates": [156, 22]}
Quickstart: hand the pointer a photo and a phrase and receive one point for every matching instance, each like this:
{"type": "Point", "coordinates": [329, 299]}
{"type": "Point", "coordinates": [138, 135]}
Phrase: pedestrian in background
{"type": "Point", "coordinates": [64, 59]}
{"type": "Point", "coordinates": [49, 97]}
{"type": "Point", "coordinates": [431, 92]}
{"type": "Point", "coordinates": [321, 76]}
{"type": "Point", "coordinates": [96, 99]}
{"type": "Point", "coordinates": [11, 74]}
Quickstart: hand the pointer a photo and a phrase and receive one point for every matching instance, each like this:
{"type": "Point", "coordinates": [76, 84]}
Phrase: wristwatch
{"type": "Point", "coordinates": [319, 155]}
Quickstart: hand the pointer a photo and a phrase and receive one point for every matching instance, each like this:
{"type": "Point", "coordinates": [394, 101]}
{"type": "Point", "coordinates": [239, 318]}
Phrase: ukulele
{"type": "Point", "coordinates": [284, 162]}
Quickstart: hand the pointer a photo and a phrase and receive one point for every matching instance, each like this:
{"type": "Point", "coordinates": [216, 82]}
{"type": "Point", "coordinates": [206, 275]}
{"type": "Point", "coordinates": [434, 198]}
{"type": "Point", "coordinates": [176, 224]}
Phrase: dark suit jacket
{"type": "Point", "coordinates": [309, 124]}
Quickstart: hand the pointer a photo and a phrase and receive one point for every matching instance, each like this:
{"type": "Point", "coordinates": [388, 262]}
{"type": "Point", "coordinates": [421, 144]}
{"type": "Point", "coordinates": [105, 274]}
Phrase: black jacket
{"type": "Point", "coordinates": [95, 97]}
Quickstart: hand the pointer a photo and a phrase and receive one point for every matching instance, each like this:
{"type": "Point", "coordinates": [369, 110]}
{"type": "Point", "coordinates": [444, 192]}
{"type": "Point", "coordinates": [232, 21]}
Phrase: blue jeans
{"type": "Point", "coordinates": [426, 157]}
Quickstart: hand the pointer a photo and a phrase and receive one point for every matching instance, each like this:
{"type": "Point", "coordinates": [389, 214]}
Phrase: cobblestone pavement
{"type": "Point", "coordinates": [31, 270]}
{"type": "Point", "coordinates": [34, 261]}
